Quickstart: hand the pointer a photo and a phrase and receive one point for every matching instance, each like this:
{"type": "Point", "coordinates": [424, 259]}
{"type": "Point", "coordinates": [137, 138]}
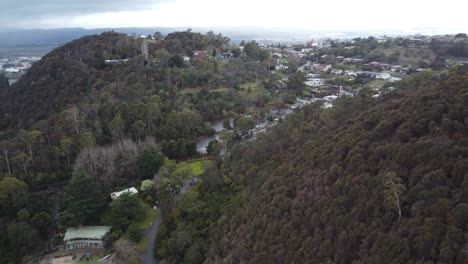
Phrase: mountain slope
{"type": "Point", "coordinates": [327, 185]}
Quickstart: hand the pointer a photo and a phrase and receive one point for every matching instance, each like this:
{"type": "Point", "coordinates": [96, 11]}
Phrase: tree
{"type": "Point", "coordinates": [392, 192]}
{"type": "Point", "coordinates": [244, 124]}
{"type": "Point", "coordinates": [65, 148]}
{"type": "Point", "coordinates": [22, 239]}
{"type": "Point", "coordinates": [146, 186]}
{"type": "Point", "coordinates": [226, 137]}
{"type": "Point", "coordinates": [213, 148]}
{"type": "Point", "coordinates": [117, 126]}
{"type": "Point", "coordinates": [158, 36]}
{"type": "Point", "coordinates": [150, 162]}
{"type": "Point", "coordinates": [163, 56]}
{"type": "Point", "coordinates": [227, 124]}
{"type": "Point", "coordinates": [134, 233]}
{"type": "Point", "coordinates": [41, 222]}
{"type": "Point", "coordinates": [214, 53]}
{"type": "Point", "coordinates": [236, 52]}
{"type": "Point", "coordinates": [296, 83]}
{"type": "Point", "coordinates": [83, 202]}
{"type": "Point", "coordinates": [23, 160]}
{"type": "Point", "coordinates": [170, 180]}
{"type": "Point", "coordinates": [74, 117]}
{"type": "Point", "coordinates": [13, 194]}
{"type": "Point", "coordinates": [124, 210]}
{"type": "Point", "coordinates": [5, 157]}
{"type": "Point", "coordinates": [4, 83]}
{"type": "Point", "coordinates": [87, 140]}
{"type": "Point", "coordinates": [176, 61]}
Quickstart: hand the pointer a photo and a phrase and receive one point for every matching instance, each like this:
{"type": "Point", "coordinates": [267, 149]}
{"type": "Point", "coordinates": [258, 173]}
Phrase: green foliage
{"type": "Point", "coordinates": [214, 148]}
{"type": "Point", "coordinates": [133, 233]}
{"type": "Point", "coordinates": [13, 195]}
{"type": "Point", "coordinates": [146, 185]}
{"type": "Point", "coordinates": [83, 201]}
{"type": "Point", "coordinates": [244, 124]}
{"type": "Point", "coordinates": [124, 211]}
{"type": "Point", "coordinates": [324, 186]}
{"type": "Point", "coordinates": [150, 162]}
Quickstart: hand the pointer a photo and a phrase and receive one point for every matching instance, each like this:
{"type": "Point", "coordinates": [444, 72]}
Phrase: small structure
{"type": "Point", "coordinates": [131, 191]}
{"type": "Point", "coordinates": [87, 237]}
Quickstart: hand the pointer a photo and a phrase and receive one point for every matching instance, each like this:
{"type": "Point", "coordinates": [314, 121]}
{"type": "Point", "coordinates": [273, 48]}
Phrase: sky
{"type": "Point", "coordinates": [402, 15]}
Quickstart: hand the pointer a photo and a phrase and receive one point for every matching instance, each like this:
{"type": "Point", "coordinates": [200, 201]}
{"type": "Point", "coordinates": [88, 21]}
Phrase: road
{"type": "Point", "coordinates": [148, 257]}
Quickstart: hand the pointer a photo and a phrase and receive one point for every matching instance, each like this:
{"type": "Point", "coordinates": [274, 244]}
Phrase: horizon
{"type": "Point", "coordinates": [297, 16]}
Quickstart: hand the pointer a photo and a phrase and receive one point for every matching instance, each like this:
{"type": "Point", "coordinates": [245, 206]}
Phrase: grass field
{"type": "Point", "coordinates": [196, 166]}
{"type": "Point", "coordinates": [85, 261]}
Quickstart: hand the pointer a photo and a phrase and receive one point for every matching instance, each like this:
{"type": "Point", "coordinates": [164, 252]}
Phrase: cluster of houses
{"type": "Point", "coordinates": [14, 68]}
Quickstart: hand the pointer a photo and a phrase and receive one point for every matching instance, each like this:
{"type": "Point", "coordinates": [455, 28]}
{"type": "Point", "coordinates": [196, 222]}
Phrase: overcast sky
{"type": "Point", "coordinates": [404, 15]}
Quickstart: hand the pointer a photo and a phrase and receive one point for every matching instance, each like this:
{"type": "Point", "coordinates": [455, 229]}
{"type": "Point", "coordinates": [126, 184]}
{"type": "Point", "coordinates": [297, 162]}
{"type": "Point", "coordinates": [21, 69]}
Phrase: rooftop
{"type": "Point", "coordinates": [86, 232]}
{"type": "Point", "coordinates": [116, 195]}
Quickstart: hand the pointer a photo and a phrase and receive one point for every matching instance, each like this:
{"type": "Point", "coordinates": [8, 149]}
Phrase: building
{"type": "Point", "coordinates": [116, 195]}
{"type": "Point", "coordinates": [383, 76]}
{"type": "Point", "coordinates": [314, 82]}
{"type": "Point", "coordinates": [87, 237]}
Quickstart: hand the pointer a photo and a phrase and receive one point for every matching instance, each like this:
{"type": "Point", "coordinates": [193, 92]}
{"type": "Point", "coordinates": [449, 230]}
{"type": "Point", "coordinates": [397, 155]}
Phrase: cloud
{"type": "Point", "coordinates": [36, 13]}
{"type": "Point", "coordinates": [311, 15]}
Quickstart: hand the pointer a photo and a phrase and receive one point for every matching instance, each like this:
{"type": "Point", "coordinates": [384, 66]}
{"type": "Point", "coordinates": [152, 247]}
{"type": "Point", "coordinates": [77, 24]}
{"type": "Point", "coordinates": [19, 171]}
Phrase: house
{"type": "Point", "coordinates": [116, 195]}
{"type": "Point", "coordinates": [339, 58]}
{"type": "Point", "coordinates": [345, 93]}
{"type": "Point", "coordinates": [330, 98]}
{"type": "Point", "coordinates": [396, 68]}
{"type": "Point", "coordinates": [314, 82]}
{"type": "Point", "coordinates": [87, 237]}
{"type": "Point", "coordinates": [302, 101]}
{"type": "Point", "coordinates": [383, 76]}
{"type": "Point", "coordinates": [312, 75]}
{"type": "Point", "coordinates": [336, 71]}
{"type": "Point", "coordinates": [186, 58]}
{"type": "Point", "coordinates": [394, 79]}
{"type": "Point", "coordinates": [280, 67]}
{"type": "Point", "coordinates": [350, 73]}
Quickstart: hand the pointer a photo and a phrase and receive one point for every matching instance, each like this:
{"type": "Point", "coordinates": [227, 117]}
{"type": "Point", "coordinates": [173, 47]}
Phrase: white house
{"type": "Point", "coordinates": [116, 195]}
{"type": "Point", "coordinates": [314, 82]}
{"type": "Point", "coordinates": [383, 76]}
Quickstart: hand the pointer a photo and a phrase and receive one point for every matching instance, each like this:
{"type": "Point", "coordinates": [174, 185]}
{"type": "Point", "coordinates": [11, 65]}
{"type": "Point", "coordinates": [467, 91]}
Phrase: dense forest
{"type": "Point", "coordinates": [371, 180]}
{"type": "Point", "coordinates": [106, 110]}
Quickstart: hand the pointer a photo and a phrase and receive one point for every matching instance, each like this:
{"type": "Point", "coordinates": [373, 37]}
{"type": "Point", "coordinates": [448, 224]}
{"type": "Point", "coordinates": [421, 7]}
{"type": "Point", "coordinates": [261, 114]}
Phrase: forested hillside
{"type": "Point", "coordinates": [371, 180]}
{"type": "Point", "coordinates": [111, 107]}
{"type": "Point", "coordinates": [368, 181]}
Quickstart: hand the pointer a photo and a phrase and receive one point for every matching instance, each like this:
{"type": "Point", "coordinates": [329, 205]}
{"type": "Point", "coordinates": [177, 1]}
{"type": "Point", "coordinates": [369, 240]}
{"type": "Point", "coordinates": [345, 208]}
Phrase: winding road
{"type": "Point", "coordinates": [148, 257]}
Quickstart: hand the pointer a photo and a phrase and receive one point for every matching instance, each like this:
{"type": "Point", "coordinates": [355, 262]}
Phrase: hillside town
{"type": "Point", "coordinates": [15, 67]}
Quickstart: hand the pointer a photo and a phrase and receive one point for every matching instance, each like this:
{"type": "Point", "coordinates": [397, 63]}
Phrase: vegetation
{"type": "Point", "coordinates": [367, 181]}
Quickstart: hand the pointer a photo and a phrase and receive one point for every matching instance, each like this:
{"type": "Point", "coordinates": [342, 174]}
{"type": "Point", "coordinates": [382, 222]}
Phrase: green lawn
{"type": "Point", "coordinates": [196, 166]}
{"type": "Point", "coordinates": [85, 261]}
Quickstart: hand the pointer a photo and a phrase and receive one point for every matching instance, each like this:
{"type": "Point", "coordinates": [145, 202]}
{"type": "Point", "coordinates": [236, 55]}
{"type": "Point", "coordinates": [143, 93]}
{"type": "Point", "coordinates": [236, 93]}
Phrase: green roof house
{"type": "Point", "coordinates": [86, 237]}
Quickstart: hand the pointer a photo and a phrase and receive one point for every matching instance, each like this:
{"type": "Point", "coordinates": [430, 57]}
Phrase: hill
{"type": "Point", "coordinates": [368, 181]}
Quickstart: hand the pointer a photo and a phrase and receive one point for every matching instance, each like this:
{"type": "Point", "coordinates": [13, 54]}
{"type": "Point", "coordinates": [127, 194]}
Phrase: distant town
{"type": "Point", "coordinates": [15, 67]}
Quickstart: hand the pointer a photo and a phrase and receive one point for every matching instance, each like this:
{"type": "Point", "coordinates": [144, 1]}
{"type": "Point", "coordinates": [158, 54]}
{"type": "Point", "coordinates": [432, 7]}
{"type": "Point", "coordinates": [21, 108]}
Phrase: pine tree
{"type": "Point", "coordinates": [83, 200]}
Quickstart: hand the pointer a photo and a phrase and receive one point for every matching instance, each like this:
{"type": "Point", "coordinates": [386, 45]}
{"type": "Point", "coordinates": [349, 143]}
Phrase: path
{"type": "Point", "coordinates": [148, 257]}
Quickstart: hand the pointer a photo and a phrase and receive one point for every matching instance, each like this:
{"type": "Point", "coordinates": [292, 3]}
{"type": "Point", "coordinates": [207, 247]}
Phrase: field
{"type": "Point", "coordinates": [196, 166]}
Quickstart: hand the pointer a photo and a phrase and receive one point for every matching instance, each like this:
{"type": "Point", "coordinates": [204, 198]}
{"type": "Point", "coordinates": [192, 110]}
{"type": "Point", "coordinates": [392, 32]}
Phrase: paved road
{"type": "Point", "coordinates": [148, 257]}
